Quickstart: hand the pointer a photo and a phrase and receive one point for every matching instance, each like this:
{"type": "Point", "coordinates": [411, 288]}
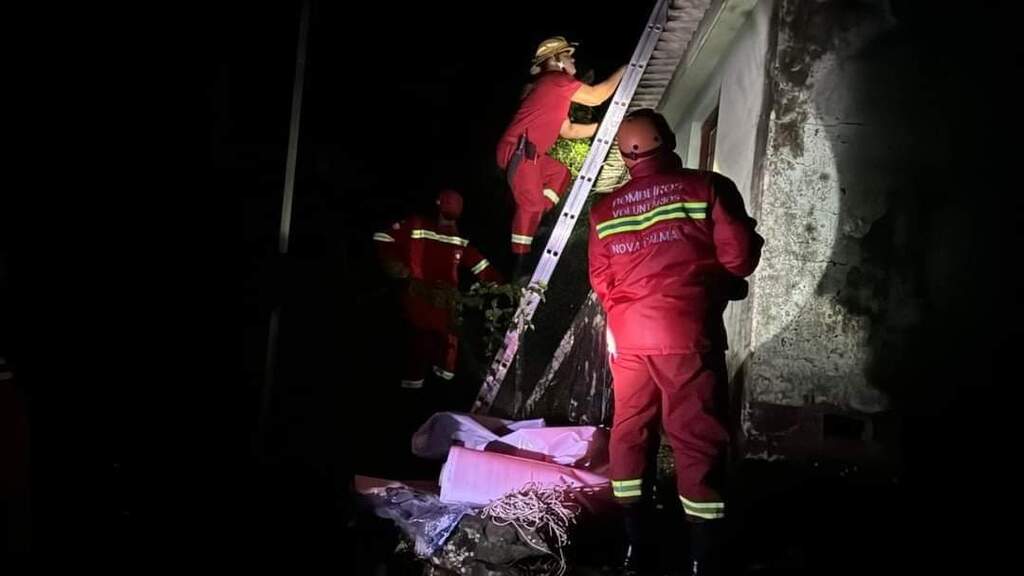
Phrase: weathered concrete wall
{"type": "Point", "coordinates": [867, 242]}
{"type": "Point", "coordinates": [810, 346]}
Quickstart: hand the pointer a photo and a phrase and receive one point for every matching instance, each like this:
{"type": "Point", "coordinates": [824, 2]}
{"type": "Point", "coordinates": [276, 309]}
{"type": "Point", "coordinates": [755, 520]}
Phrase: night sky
{"type": "Point", "coordinates": [401, 102]}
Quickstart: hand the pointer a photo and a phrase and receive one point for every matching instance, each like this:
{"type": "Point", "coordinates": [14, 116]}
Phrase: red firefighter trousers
{"type": "Point", "coordinates": [431, 341]}
{"type": "Point", "coordinates": [684, 394]}
{"type": "Point", "coordinates": [537, 186]}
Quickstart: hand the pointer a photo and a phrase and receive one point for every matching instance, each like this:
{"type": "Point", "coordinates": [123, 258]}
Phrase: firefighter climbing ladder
{"type": "Point", "coordinates": [573, 205]}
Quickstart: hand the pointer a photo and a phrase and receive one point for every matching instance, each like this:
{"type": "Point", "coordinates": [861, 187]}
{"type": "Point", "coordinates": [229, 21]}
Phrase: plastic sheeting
{"type": "Point", "coordinates": [577, 446]}
{"type": "Point", "coordinates": [420, 515]}
{"type": "Point", "coordinates": [580, 446]}
{"type": "Point", "coordinates": [446, 429]}
{"type": "Point", "coordinates": [476, 478]}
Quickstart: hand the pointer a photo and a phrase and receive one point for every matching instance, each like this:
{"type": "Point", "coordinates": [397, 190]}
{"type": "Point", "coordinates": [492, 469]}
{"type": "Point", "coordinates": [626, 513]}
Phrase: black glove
{"type": "Point", "coordinates": [735, 288]}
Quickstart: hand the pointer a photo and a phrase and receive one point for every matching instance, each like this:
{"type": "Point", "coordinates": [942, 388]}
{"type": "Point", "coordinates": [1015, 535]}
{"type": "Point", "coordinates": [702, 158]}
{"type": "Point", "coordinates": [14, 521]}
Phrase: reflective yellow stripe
{"type": "Point", "coordinates": [706, 515]}
{"type": "Point", "coordinates": [692, 504]}
{"type": "Point", "coordinates": [517, 239]}
{"type": "Point", "coordinates": [627, 493]}
{"type": "Point", "coordinates": [382, 237]}
{"type": "Point", "coordinates": [480, 267]}
{"type": "Point", "coordinates": [708, 510]}
{"type": "Point", "coordinates": [687, 206]}
{"type": "Point", "coordinates": [677, 210]}
{"type": "Point", "coordinates": [551, 195]}
{"type": "Point", "coordinates": [430, 235]}
{"type": "Point", "coordinates": [627, 488]}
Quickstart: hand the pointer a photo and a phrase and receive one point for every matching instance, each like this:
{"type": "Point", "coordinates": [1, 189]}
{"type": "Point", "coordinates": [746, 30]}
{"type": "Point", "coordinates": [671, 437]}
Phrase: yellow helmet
{"type": "Point", "coordinates": [553, 47]}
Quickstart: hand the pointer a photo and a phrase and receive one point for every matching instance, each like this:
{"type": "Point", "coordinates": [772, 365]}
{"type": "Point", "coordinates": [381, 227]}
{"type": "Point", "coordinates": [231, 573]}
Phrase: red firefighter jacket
{"type": "Point", "coordinates": [664, 250]}
{"type": "Point", "coordinates": [432, 253]}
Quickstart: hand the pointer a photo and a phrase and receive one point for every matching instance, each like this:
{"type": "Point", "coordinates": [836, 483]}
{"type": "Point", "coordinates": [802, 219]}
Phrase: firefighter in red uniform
{"type": "Point", "coordinates": [667, 251]}
{"type": "Point", "coordinates": [428, 253]}
{"type": "Point", "coordinates": [538, 180]}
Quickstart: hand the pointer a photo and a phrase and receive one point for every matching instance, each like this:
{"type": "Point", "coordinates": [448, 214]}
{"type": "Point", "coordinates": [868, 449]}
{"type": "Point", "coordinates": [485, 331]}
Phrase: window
{"type": "Point", "coordinates": [708, 132]}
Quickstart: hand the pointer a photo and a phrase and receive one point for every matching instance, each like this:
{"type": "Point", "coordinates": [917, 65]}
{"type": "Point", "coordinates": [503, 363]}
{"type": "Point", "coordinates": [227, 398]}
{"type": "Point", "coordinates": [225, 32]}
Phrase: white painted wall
{"type": "Point", "coordinates": [736, 86]}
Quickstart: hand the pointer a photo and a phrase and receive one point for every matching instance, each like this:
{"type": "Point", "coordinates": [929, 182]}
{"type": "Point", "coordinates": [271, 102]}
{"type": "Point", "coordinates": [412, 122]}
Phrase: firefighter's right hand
{"type": "Point", "coordinates": [613, 351]}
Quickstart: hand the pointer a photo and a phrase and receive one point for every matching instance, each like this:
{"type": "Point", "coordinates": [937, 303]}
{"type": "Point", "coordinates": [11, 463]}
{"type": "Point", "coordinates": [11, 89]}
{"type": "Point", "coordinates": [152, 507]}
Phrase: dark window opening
{"type": "Point", "coordinates": [708, 134]}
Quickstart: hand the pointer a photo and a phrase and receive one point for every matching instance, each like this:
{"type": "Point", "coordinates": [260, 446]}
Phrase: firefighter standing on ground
{"type": "Point", "coordinates": [537, 180]}
{"type": "Point", "coordinates": [427, 253]}
{"type": "Point", "coordinates": [667, 251]}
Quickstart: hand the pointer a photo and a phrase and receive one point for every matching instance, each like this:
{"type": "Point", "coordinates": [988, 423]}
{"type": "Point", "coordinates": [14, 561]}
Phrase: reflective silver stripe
{"type": "Point", "coordinates": [431, 235]}
{"type": "Point", "coordinates": [480, 267]}
{"type": "Point", "coordinates": [625, 483]}
{"type": "Point", "coordinates": [382, 237]}
{"type": "Point", "coordinates": [412, 383]}
{"type": "Point", "coordinates": [517, 239]}
{"type": "Point", "coordinates": [551, 195]}
{"type": "Point", "coordinates": [627, 493]}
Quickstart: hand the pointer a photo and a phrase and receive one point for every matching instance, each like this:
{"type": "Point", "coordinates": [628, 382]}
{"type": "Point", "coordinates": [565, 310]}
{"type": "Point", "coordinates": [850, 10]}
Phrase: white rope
{"type": "Point", "coordinates": [539, 508]}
